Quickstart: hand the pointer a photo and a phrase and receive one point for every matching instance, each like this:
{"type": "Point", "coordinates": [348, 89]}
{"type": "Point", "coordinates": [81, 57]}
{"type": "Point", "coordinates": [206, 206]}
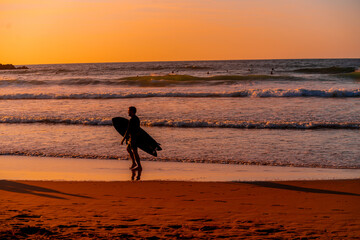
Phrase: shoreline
{"type": "Point", "coordinates": [180, 210]}
{"type": "Point", "coordinates": [73, 169]}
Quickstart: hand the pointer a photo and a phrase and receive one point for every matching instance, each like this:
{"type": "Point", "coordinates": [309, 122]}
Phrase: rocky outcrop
{"type": "Point", "coordinates": [23, 67]}
{"type": "Point", "coordinates": [11, 67]}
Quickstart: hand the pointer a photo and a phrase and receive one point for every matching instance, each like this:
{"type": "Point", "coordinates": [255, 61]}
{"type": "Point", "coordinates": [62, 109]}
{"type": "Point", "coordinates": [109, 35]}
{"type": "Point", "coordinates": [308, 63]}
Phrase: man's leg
{"type": "Point", "coordinates": [138, 167]}
{"type": "Point", "coordinates": [137, 158]}
{"type": "Point", "coordinates": [131, 156]}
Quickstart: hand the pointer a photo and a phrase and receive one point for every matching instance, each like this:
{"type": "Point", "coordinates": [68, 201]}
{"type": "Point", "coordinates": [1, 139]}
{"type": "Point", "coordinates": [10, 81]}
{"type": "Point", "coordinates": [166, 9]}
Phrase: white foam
{"type": "Point", "coordinates": [184, 123]}
{"type": "Point", "coordinates": [49, 120]}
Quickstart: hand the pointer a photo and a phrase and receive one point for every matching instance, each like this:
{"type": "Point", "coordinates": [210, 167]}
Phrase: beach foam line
{"type": "Point", "coordinates": [186, 123]}
{"type": "Point", "coordinates": [69, 169]}
{"type": "Point", "coordinates": [175, 159]}
{"type": "Point", "coordinates": [251, 124]}
{"type": "Point", "coordinates": [261, 93]}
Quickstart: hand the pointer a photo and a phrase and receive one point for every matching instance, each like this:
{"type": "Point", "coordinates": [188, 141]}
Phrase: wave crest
{"type": "Point", "coordinates": [174, 79]}
{"type": "Point", "coordinates": [328, 70]}
{"type": "Point", "coordinates": [151, 80]}
{"type": "Point", "coordinates": [262, 93]}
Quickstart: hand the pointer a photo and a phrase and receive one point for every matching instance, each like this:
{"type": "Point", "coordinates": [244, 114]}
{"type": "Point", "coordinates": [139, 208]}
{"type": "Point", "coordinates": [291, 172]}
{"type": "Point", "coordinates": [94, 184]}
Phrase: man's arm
{"type": "Point", "coordinates": [126, 136]}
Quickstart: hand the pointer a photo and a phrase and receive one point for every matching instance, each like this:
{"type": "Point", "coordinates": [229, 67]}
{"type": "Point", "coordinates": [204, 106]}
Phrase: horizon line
{"type": "Point", "coordinates": [159, 61]}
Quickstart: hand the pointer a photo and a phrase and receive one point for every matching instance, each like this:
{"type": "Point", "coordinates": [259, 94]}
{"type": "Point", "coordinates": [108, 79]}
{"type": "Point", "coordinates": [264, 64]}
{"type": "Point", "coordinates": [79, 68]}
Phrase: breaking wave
{"type": "Point", "coordinates": [187, 123]}
{"type": "Point", "coordinates": [353, 75]}
{"type": "Point", "coordinates": [168, 80]}
{"type": "Point", "coordinates": [261, 93]}
{"type": "Point", "coordinates": [150, 80]}
{"type": "Point", "coordinates": [252, 124]}
{"type": "Point", "coordinates": [54, 120]}
{"type": "Point", "coordinates": [328, 70]}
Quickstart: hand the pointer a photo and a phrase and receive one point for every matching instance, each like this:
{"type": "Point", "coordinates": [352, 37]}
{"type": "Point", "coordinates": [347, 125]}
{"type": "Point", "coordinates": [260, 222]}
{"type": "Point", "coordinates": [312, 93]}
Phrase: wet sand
{"type": "Point", "coordinates": [180, 210]}
{"type": "Point", "coordinates": [79, 169]}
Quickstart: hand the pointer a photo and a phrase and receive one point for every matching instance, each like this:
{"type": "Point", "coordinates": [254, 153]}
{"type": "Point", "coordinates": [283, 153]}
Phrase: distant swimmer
{"type": "Point", "coordinates": [131, 137]}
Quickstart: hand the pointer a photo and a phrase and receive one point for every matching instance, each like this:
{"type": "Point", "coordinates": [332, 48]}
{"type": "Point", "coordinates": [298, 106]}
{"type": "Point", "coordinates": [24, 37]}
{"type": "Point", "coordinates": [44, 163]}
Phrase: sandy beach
{"type": "Point", "coordinates": [179, 210]}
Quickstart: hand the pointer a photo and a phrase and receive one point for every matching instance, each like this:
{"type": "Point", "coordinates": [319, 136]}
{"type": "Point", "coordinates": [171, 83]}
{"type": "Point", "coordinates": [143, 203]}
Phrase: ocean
{"type": "Point", "coordinates": [296, 113]}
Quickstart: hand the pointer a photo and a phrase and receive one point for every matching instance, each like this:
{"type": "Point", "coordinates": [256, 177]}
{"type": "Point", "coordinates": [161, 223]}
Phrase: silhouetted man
{"type": "Point", "coordinates": [131, 137]}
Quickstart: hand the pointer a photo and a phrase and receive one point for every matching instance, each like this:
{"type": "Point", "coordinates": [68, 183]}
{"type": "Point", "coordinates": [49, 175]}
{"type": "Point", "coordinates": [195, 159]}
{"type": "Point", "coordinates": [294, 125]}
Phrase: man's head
{"type": "Point", "coordinates": [132, 111]}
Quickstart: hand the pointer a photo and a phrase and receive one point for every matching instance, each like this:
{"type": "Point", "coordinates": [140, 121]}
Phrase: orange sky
{"type": "Point", "coordinates": [69, 31]}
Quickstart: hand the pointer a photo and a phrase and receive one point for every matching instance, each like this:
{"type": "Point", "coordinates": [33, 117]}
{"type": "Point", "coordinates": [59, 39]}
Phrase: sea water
{"type": "Point", "coordinates": [300, 113]}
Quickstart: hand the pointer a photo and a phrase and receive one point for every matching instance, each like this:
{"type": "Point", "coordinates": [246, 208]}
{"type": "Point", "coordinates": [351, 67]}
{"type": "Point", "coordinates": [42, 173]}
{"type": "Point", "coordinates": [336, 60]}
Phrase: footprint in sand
{"type": "Point", "coordinates": [130, 219]}
{"type": "Point", "coordinates": [200, 220]}
{"type": "Point", "coordinates": [209, 228]}
{"type": "Point", "coordinates": [174, 226]}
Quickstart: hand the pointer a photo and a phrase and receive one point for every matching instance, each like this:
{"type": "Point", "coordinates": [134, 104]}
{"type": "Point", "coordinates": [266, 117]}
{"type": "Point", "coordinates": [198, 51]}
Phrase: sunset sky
{"type": "Point", "coordinates": [70, 31]}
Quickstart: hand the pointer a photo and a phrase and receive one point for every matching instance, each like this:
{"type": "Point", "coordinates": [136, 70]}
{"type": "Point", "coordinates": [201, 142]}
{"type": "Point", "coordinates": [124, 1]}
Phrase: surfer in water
{"type": "Point", "coordinates": [131, 136]}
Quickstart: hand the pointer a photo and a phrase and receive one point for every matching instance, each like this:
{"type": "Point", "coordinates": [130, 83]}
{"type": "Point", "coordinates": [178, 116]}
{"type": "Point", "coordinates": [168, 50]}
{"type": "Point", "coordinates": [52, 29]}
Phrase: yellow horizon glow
{"type": "Point", "coordinates": [78, 31]}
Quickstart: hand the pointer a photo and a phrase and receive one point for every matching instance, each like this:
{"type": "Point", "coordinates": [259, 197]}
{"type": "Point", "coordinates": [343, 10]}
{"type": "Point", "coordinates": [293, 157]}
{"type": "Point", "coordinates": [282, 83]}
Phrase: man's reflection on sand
{"type": "Point", "coordinates": [134, 176]}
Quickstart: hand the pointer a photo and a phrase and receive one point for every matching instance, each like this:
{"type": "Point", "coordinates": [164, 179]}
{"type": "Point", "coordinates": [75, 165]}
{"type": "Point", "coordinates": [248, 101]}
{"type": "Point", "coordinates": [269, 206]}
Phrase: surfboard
{"type": "Point", "coordinates": [145, 141]}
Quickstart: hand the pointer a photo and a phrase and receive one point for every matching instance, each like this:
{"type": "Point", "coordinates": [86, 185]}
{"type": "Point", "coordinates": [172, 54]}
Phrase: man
{"type": "Point", "coordinates": [131, 136]}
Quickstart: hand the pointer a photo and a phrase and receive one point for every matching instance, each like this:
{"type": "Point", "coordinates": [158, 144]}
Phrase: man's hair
{"type": "Point", "coordinates": [133, 109]}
